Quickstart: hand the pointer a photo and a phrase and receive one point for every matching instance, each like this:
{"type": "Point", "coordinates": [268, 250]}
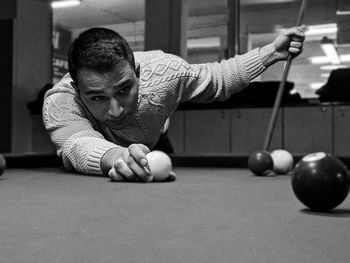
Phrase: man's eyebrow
{"type": "Point", "coordinates": [92, 92]}
{"type": "Point", "coordinates": [123, 83]}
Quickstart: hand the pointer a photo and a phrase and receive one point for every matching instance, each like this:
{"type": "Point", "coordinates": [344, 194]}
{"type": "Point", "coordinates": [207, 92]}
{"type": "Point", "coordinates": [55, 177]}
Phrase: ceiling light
{"type": "Point", "coordinates": [342, 13]}
{"type": "Point", "coordinates": [293, 92]}
{"type": "Point", "coordinates": [323, 29]}
{"type": "Point", "coordinates": [330, 50]}
{"type": "Point", "coordinates": [332, 67]}
{"type": "Point", "coordinates": [64, 3]}
{"type": "Point", "coordinates": [317, 60]}
{"type": "Point", "coordinates": [325, 75]}
{"type": "Point", "coordinates": [316, 85]}
{"type": "Point", "coordinates": [345, 58]}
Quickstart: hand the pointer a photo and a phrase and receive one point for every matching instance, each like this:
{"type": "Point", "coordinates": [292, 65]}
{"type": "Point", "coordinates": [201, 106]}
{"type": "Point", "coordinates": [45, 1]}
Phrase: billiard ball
{"type": "Point", "coordinates": [159, 164]}
{"type": "Point", "coordinates": [2, 164]}
{"type": "Point", "coordinates": [283, 161]}
{"type": "Point", "coordinates": [320, 181]}
{"type": "Point", "coordinates": [260, 162]}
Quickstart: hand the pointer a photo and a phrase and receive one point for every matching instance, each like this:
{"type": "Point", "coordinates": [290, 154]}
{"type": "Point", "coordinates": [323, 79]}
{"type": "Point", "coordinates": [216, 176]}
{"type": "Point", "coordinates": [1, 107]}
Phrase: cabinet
{"type": "Point", "coordinates": [240, 131]}
{"type": "Point", "coordinates": [341, 130]}
{"type": "Point", "coordinates": [176, 131]}
{"type": "Point", "coordinates": [308, 129]}
{"type": "Point", "coordinates": [207, 131]}
{"type": "Point", "coordinates": [249, 127]}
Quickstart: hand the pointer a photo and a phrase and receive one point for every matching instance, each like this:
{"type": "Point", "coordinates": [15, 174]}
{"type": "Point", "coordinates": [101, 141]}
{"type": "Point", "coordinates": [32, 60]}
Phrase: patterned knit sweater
{"type": "Point", "coordinates": [165, 81]}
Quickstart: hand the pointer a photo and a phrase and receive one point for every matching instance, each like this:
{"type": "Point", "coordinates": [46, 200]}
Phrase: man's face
{"type": "Point", "coordinates": [111, 97]}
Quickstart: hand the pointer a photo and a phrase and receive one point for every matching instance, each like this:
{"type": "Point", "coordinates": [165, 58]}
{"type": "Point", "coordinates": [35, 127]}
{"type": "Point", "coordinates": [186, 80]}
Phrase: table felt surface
{"type": "Point", "coordinates": [207, 215]}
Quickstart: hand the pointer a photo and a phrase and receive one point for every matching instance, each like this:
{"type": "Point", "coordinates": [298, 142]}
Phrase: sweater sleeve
{"type": "Point", "coordinates": [79, 145]}
{"type": "Point", "coordinates": [219, 80]}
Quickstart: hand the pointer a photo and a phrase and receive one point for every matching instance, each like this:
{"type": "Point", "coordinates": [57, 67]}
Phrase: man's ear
{"type": "Point", "coordinates": [137, 70]}
{"type": "Point", "coordinates": [74, 86]}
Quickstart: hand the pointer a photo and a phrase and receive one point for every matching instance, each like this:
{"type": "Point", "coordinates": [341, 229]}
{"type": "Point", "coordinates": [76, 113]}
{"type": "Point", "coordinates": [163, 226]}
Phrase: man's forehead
{"type": "Point", "coordinates": [92, 79]}
{"type": "Point", "coordinates": [117, 71]}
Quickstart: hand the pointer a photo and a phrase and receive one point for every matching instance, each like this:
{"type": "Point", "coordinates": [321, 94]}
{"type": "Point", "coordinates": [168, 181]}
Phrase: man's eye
{"type": "Point", "coordinates": [98, 98]}
{"type": "Point", "coordinates": [123, 91]}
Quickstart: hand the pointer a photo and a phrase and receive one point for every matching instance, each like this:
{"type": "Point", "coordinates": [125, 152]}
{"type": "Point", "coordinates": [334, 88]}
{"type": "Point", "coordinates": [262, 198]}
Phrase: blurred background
{"type": "Point", "coordinates": [207, 30]}
{"type": "Point", "coordinates": [37, 33]}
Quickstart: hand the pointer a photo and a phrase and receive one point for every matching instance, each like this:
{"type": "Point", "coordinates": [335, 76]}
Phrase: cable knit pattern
{"type": "Point", "coordinates": [165, 81]}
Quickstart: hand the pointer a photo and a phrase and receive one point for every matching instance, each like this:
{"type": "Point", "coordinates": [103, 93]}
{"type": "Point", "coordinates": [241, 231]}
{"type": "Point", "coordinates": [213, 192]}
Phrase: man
{"type": "Point", "coordinates": [109, 111]}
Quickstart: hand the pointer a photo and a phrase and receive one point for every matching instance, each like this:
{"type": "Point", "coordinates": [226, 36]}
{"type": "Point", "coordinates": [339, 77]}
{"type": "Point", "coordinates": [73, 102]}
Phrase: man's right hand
{"type": "Point", "coordinates": [127, 164]}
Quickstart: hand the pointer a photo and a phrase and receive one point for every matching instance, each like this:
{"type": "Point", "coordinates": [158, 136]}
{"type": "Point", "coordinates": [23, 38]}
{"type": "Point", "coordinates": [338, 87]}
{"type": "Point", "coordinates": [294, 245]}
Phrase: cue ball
{"type": "Point", "coordinates": [320, 181]}
{"type": "Point", "coordinates": [2, 164]}
{"type": "Point", "coordinates": [283, 161]}
{"type": "Point", "coordinates": [159, 164]}
{"type": "Point", "coordinates": [260, 163]}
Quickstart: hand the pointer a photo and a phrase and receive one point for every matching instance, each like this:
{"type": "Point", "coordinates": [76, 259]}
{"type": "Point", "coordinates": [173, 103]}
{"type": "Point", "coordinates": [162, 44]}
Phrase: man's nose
{"type": "Point", "coordinates": [115, 109]}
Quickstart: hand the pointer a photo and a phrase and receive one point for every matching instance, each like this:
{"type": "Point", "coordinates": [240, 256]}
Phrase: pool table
{"type": "Point", "coordinates": [207, 215]}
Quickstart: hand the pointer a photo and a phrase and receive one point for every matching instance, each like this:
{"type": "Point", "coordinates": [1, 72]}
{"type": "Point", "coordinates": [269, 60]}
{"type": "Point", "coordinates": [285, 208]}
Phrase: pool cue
{"type": "Point", "coordinates": [281, 87]}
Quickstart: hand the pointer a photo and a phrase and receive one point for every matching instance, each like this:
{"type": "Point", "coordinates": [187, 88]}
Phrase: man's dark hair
{"type": "Point", "coordinates": [98, 49]}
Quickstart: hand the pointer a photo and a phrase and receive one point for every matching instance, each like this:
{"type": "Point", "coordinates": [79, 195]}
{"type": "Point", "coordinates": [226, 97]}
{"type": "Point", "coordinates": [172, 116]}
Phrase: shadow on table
{"type": "Point", "coordinates": [331, 213]}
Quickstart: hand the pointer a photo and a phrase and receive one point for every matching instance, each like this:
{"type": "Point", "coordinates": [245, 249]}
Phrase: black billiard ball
{"type": "Point", "coordinates": [320, 181]}
{"type": "Point", "coordinates": [260, 162]}
{"type": "Point", "coordinates": [2, 164]}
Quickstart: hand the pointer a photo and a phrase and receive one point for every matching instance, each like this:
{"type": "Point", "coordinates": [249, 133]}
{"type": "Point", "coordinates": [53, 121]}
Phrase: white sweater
{"type": "Point", "coordinates": [165, 81]}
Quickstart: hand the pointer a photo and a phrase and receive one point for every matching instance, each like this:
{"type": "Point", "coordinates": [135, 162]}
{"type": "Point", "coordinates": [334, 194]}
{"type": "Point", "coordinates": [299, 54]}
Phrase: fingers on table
{"type": "Point", "coordinates": [121, 172]}
{"type": "Point", "coordinates": [115, 176]}
{"type": "Point", "coordinates": [138, 170]}
{"type": "Point", "coordinates": [129, 171]}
